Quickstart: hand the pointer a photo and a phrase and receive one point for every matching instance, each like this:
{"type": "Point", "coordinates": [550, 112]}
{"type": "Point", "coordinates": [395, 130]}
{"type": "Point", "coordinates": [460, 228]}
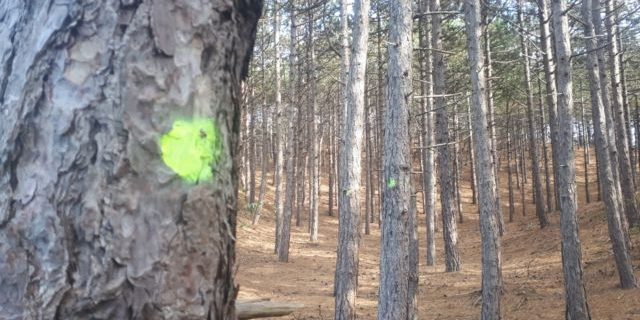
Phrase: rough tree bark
{"type": "Point", "coordinates": [612, 199]}
{"type": "Point", "coordinates": [395, 300]}
{"type": "Point", "coordinates": [445, 170]}
{"type": "Point", "coordinates": [491, 256]}
{"type": "Point", "coordinates": [93, 224]}
{"type": "Point", "coordinates": [575, 294]}
{"type": "Point", "coordinates": [346, 276]}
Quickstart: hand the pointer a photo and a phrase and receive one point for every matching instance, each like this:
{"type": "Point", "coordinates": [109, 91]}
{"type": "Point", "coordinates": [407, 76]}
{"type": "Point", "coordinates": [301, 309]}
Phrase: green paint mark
{"type": "Point", "coordinates": [392, 183]}
{"type": "Point", "coordinates": [191, 148]}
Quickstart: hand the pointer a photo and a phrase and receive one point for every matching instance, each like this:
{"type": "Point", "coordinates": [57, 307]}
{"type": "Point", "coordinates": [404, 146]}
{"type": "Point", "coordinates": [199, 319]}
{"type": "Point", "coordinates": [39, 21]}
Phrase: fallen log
{"type": "Point", "coordinates": [252, 309]}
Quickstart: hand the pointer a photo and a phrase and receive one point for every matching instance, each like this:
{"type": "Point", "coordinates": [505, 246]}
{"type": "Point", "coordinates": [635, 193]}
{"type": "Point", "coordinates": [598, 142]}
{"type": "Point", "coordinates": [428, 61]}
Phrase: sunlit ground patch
{"type": "Point", "coordinates": [190, 149]}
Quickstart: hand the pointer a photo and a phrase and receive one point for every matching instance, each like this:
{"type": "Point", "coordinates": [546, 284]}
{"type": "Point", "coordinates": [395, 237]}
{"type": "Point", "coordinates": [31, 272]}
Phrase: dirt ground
{"type": "Point", "coordinates": [532, 271]}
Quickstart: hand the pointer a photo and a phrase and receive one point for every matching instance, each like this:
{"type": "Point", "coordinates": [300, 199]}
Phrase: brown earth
{"type": "Point", "coordinates": [532, 271]}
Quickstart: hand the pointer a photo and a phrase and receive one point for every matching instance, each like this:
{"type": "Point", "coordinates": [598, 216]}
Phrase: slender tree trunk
{"type": "Point", "coordinates": [612, 200]}
{"type": "Point", "coordinates": [474, 178]}
{"type": "Point", "coordinates": [585, 152]}
{"type": "Point", "coordinates": [552, 100]}
{"type": "Point", "coordinates": [82, 235]}
{"type": "Point", "coordinates": [456, 163]}
{"type": "Point", "coordinates": [637, 127]}
{"type": "Point", "coordinates": [301, 161]}
{"type": "Point", "coordinates": [414, 259]}
{"type": "Point", "coordinates": [344, 71]}
{"type": "Point", "coordinates": [380, 104]}
{"type": "Point", "coordinates": [533, 149]}
{"type": "Point", "coordinates": [264, 115]}
{"type": "Point", "coordinates": [491, 256]}
{"type": "Point", "coordinates": [252, 153]}
{"type": "Point", "coordinates": [515, 159]}
{"type": "Point", "coordinates": [509, 174]}
{"type": "Point", "coordinates": [625, 100]}
{"type": "Point", "coordinates": [605, 94]}
{"type": "Point", "coordinates": [523, 151]}
{"type": "Point", "coordinates": [280, 126]}
{"type": "Point", "coordinates": [428, 170]}
{"type": "Point", "coordinates": [395, 300]}
{"type": "Point", "coordinates": [626, 174]}
{"type": "Point", "coordinates": [368, 185]}
{"type": "Point", "coordinates": [290, 183]}
{"type": "Point", "coordinates": [242, 163]}
{"type": "Point", "coordinates": [543, 138]}
{"type": "Point", "coordinates": [576, 296]}
{"type": "Point", "coordinates": [523, 170]}
{"type": "Point", "coordinates": [370, 173]}
{"type": "Point", "coordinates": [332, 164]}
{"type": "Point", "coordinates": [492, 120]}
{"type": "Point", "coordinates": [313, 134]}
{"type": "Point", "coordinates": [351, 150]}
{"type": "Point", "coordinates": [445, 163]}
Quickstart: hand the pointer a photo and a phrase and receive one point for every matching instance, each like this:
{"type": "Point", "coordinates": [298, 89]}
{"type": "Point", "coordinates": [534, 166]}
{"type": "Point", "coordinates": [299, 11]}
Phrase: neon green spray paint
{"type": "Point", "coordinates": [190, 149]}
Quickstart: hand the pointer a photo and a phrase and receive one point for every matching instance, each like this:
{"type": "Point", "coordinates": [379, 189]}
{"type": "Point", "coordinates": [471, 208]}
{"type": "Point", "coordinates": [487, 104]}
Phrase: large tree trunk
{"type": "Point", "coordinates": [576, 296]}
{"type": "Point", "coordinates": [395, 300]}
{"type": "Point", "coordinates": [346, 276]}
{"type": "Point", "coordinates": [541, 212]}
{"type": "Point", "coordinates": [491, 256]}
{"type": "Point", "coordinates": [612, 200]}
{"type": "Point", "coordinates": [445, 163]}
{"type": "Point", "coordinates": [93, 223]}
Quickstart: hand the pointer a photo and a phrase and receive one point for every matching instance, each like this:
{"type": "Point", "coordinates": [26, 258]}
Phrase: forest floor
{"type": "Point", "coordinates": [532, 271]}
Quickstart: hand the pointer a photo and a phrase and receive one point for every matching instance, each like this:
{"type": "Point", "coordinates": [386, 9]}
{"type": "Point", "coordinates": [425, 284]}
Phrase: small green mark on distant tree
{"type": "Point", "coordinates": [392, 183]}
{"type": "Point", "coordinates": [190, 149]}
